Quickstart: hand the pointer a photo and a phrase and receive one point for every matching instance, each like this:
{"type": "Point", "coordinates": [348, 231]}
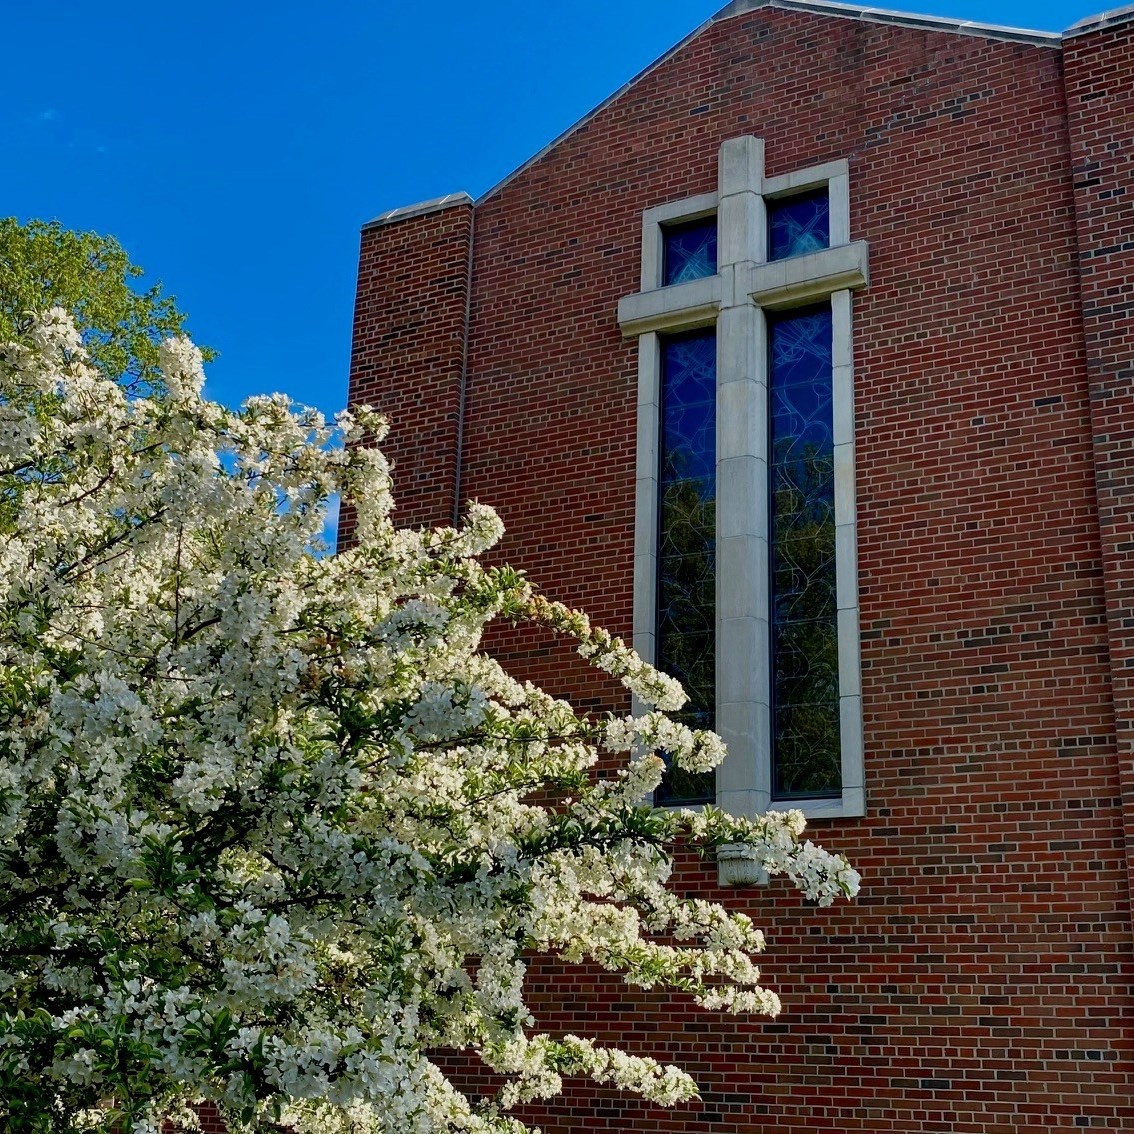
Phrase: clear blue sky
{"type": "Point", "coordinates": [236, 147]}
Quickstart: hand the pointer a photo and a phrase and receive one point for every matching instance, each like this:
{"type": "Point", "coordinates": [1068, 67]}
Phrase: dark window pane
{"type": "Point", "coordinates": [807, 747]}
{"type": "Point", "coordinates": [805, 672]}
{"type": "Point", "coordinates": [690, 251]}
{"type": "Point", "coordinates": [798, 224]}
{"type": "Point", "coordinates": [805, 577]}
{"type": "Point", "coordinates": [686, 614]}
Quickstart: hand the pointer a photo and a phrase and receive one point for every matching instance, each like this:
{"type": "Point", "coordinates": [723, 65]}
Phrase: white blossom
{"type": "Point", "coordinates": [272, 826]}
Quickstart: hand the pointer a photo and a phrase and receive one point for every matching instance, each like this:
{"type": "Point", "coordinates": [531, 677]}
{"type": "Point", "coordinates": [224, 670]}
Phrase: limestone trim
{"type": "Point", "coordinates": [646, 498]}
{"type": "Point", "coordinates": [801, 280]}
{"type": "Point", "coordinates": [653, 224]}
{"type": "Point", "coordinates": [679, 307]}
{"type": "Point", "coordinates": [835, 176]}
{"type": "Point", "coordinates": [846, 563]}
{"type": "Point", "coordinates": [745, 286]}
{"type": "Point", "coordinates": [800, 180]}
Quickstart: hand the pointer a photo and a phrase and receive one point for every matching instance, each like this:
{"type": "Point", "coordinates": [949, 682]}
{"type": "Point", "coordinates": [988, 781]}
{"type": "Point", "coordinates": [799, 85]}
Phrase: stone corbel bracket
{"type": "Point", "coordinates": [737, 865]}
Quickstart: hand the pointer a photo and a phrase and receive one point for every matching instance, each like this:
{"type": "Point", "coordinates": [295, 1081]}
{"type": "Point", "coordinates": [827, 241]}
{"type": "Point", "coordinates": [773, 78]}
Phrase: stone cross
{"type": "Point", "coordinates": [747, 284]}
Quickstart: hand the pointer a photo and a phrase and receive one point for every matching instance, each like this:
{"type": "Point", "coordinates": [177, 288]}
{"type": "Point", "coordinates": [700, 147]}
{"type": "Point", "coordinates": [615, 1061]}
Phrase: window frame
{"type": "Point", "coordinates": [735, 302]}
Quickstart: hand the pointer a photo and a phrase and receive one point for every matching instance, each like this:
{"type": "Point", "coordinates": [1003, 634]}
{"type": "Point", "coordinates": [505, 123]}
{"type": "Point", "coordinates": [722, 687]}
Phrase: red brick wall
{"type": "Point", "coordinates": [1100, 105]}
{"type": "Point", "coordinates": [408, 351]}
{"type": "Point", "coordinates": [982, 981]}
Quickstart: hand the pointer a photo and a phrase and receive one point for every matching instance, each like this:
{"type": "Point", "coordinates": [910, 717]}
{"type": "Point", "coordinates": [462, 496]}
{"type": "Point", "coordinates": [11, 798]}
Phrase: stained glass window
{"type": "Point", "coordinates": [798, 224]}
{"type": "Point", "coordinates": [805, 677]}
{"type": "Point", "coordinates": [686, 590]}
{"type": "Point", "coordinates": [690, 251]}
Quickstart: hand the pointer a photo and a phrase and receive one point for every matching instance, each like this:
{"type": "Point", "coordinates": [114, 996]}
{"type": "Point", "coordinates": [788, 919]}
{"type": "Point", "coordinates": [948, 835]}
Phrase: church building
{"type": "Point", "coordinates": [806, 363]}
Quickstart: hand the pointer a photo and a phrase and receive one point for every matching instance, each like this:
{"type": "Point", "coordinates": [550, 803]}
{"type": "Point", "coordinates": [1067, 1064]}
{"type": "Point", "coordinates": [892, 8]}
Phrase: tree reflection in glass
{"type": "Point", "coordinates": [686, 588]}
{"type": "Point", "coordinates": [805, 675]}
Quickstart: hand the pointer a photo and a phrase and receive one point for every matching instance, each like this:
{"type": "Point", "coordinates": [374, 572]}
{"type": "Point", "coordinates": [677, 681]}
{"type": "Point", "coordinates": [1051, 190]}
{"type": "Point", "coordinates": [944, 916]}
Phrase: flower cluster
{"type": "Point", "coordinates": [273, 828]}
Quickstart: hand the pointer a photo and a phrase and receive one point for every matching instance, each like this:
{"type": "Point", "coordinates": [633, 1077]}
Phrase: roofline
{"type": "Point", "coordinates": [1103, 20]}
{"type": "Point", "coordinates": [577, 125]}
{"type": "Point", "coordinates": [816, 7]}
{"type": "Point", "coordinates": [1051, 40]}
{"type": "Point", "coordinates": [404, 212]}
{"type": "Point", "coordinates": [902, 19]}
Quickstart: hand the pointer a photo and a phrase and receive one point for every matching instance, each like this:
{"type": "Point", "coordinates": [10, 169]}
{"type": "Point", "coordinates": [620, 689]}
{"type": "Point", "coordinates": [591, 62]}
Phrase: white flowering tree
{"type": "Point", "coordinates": [272, 828]}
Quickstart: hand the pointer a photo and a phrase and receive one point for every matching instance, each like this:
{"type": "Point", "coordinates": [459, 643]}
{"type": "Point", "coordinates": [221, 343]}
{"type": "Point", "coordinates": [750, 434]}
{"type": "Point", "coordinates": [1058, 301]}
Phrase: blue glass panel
{"type": "Point", "coordinates": [687, 488]}
{"type": "Point", "coordinates": [690, 251]}
{"type": "Point", "coordinates": [805, 674]}
{"type": "Point", "coordinates": [798, 224]}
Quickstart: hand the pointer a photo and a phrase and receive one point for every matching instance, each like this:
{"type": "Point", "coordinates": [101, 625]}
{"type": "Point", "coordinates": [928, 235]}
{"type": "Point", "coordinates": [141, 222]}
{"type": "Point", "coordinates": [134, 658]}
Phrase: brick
{"type": "Point", "coordinates": [982, 982]}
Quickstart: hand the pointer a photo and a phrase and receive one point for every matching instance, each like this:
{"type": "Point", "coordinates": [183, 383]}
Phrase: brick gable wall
{"type": "Point", "coordinates": [1100, 102]}
{"type": "Point", "coordinates": [408, 352]}
{"type": "Point", "coordinates": [981, 983]}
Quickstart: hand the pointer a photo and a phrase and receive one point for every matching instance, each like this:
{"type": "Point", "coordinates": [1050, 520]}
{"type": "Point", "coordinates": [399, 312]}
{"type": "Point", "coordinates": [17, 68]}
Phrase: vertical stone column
{"type": "Point", "coordinates": [846, 549]}
{"type": "Point", "coordinates": [743, 686]}
{"type": "Point", "coordinates": [646, 499]}
{"type": "Point", "coordinates": [733, 299]}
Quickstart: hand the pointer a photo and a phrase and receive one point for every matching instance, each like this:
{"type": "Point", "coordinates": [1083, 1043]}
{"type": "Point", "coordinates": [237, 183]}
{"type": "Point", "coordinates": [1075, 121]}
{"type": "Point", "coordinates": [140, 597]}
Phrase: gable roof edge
{"type": "Point", "coordinates": [815, 7]}
{"type": "Point", "coordinates": [420, 209]}
{"type": "Point", "coordinates": [1104, 21]}
{"type": "Point", "coordinates": [901, 19]}
{"type": "Point", "coordinates": [578, 124]}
